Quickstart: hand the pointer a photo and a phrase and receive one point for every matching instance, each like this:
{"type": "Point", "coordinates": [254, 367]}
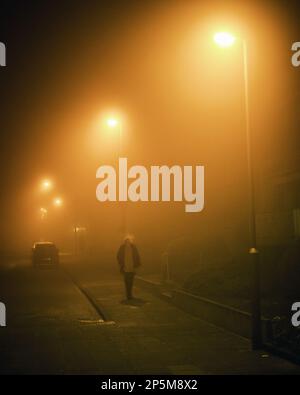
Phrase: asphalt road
{"type": "Point", "coordinates": [52, 328]}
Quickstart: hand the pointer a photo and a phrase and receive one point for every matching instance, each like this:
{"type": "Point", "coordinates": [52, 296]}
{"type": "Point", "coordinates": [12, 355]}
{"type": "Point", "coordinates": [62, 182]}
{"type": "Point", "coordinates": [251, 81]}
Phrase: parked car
{"type": "Point", "coordinates": [45, 253]}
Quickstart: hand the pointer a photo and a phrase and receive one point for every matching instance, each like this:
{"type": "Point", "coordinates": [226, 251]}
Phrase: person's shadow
{"type": "Point", "coordinates": [137, 302]}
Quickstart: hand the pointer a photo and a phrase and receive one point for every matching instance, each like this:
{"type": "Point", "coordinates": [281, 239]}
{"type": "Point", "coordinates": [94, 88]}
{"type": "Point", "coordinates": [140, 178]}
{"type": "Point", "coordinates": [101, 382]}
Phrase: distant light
{"type": "Point", "coordinates": [78, 229]}
{"type": "Point", "coordinates": [43, 212]}
{"type": "Point", "coordinates": [46, 185]}
{"type": "Point", "coordinates": [57, 202]}
{"type": "Point", "coordinates": [112, 122]}
{"type": "Point", "coordinates": [224, 39]}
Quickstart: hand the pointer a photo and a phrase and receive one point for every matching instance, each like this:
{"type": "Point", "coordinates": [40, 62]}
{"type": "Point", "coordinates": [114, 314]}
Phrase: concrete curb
{"type": "Point", "coordinates": [89, 296]}
{"type": "Point", "coordinates": [229, 318]}
{"type": "Point", "coordinates": [282, 353]}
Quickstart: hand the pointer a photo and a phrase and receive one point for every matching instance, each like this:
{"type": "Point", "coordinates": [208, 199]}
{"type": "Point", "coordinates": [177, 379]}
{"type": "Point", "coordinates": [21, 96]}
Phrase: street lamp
{"type": "Point", "coordinates": [46, 185]}
{"type": "Point", "coordinates": [112, 122]}
{"type": "Point", "coordinates": [224, 39]}
{"type": "Point", "coordinates": [57, 202]}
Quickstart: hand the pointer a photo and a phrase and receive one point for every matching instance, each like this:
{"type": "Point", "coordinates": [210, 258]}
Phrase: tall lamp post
{"type": "Point", "coordinates": [114, 123]}
{"type": "Point", "coordinates": [224, 39]}
{"type": "Point", "coordinates": [43, 216]}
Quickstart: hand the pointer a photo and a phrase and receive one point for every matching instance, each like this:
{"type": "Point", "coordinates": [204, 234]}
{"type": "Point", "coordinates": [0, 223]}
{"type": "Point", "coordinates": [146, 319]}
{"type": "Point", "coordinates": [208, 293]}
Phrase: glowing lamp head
{"type": "Point", "coordinates": [46, 185]}
{"type": "Point", "coordinates": [57, 202]}
{"type": "Point", "coordinates": [112, 122]}
{"type": "Point", "coordinates": [224, 39]}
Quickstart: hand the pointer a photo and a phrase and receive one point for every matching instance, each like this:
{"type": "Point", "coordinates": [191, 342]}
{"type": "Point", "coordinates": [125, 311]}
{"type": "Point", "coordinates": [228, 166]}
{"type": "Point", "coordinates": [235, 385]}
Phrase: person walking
{"type": "Point", "coordinates": [129, 260]}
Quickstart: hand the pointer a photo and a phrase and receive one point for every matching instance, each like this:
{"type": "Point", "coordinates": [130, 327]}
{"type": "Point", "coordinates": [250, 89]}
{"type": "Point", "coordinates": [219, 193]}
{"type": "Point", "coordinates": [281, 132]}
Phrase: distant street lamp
{"type": "Point", "coordinates": [57, 202]}
{"type": "Point", "coordinates": [79, 239]}
{"type": "Point", "coordinates": [46, 185]}
{"type": "Point", "coordinates": [224, 39]}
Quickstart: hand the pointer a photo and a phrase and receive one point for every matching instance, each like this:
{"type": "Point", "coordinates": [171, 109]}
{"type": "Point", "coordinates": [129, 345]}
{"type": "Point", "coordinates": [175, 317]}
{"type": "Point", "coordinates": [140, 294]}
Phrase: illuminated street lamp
{"type": "Point", "coordinates": [46, 185]}
{"type": "Point", "coordinates": [224, 39]}
{"type": "Point", "coordinates": [57, 202]}
{"type": "Point", "coordinates": [112, 122]}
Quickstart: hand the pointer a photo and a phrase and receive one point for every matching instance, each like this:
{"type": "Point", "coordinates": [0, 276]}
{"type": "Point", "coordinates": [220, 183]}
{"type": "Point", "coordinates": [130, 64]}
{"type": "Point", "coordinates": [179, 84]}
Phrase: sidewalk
{"type": "Point", "coordinates": [223, 314]}
{"type": "Point", "coordinates": [155, 337]}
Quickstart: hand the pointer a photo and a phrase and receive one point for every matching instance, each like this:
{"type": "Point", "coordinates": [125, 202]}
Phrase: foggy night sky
{"type": "Point", "coordinates": [69, 61]}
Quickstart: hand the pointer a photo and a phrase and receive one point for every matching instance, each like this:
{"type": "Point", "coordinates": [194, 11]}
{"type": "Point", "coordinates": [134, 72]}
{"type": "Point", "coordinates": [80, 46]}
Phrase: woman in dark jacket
{"type": "Point", "coordinates": [129, 260]}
